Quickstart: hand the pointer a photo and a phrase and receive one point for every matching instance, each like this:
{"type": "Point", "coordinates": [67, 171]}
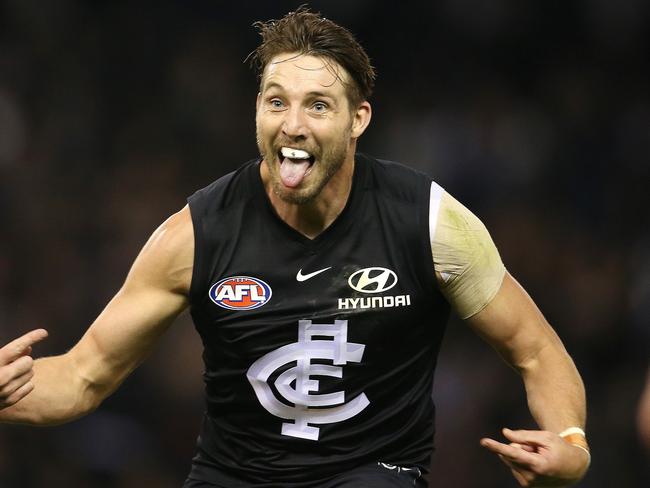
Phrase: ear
{"type": "Point", "coordinates": [257, 102]}
{"type": "Point", "coordinates": [361, 119]}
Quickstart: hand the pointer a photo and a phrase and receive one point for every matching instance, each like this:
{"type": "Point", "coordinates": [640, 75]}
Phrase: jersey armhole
{"type": "Point", "coordinates": [435, 196]}
{"type": "Point", "coordinates": [197, 265]}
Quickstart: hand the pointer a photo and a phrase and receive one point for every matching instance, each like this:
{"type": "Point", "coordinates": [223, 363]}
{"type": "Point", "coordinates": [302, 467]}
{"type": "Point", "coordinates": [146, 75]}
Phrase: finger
{"type": "Point", "coordinates": [520, 468]}
{"type": "Point", "coordinates": [19, 367]}
{"type": "Point", "coordinates": [17, 347]}
{"type": "Point", "coordinates": [531, 437]}
{"type": "Point", "coordinates": [13, 370]}
{"type": "Point", "coordinates": [514, 454]}
{"type": "Point", "coordinates": [521, 474]}
{"type": "Point", "coordinates": [18, 395]}
{"type": "Point", "coordinates": [13, 385]}
{"type": "Point", "coordinates": [521, 479]}
{"type": "Point", "coordinates": [525, 447]}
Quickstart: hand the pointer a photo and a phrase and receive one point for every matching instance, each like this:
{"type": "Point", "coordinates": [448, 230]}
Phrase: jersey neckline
{"type": "Point", "coordinates": [336, 228]}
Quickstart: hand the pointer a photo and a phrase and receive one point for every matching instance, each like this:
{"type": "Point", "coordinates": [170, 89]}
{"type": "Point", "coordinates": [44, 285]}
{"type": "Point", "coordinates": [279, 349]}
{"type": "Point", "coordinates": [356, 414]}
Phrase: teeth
{"type": "Point", "coordinates": [289, 152]}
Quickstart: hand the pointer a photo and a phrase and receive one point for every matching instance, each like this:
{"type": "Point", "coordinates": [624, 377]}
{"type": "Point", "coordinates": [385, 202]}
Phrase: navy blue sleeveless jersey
{"type": "Point", "coordinates": [319, 353]}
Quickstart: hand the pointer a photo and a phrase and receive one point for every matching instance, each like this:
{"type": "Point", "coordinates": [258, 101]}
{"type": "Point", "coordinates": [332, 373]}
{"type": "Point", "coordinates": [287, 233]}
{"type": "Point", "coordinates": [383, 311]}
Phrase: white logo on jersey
{"type": "Point", "coordinates": [372, 280]}
{"type": "Point", "coordinates": [305, 277]}
{"type": "Point", "coordinates": [338, 350]}
{"type": "Point", "coordinates": [374, 302]}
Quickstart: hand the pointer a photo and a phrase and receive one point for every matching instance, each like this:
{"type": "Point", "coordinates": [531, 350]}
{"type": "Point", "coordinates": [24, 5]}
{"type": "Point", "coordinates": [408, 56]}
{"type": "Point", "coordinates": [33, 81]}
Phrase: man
{"type": "Point", "coordinates": [320, 281]}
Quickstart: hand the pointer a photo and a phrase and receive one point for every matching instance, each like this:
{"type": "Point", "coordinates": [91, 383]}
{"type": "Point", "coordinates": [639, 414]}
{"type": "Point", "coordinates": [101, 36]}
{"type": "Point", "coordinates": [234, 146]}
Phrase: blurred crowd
{"type": "Point", "coordinates": [536, 115]}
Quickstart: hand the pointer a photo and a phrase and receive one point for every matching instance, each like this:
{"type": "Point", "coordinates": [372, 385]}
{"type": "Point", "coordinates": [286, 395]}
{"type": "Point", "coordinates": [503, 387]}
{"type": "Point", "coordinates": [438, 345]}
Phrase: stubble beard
{"type": "Point", "coordinates": [326, 165]}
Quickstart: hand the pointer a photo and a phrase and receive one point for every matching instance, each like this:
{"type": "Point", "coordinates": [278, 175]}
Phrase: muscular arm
{"type": "Point", "coordinates": [154, 293]}
{"type": "Point", "coordinates": [515, 327]}
{"type": "Point", "coordinates": [474, 281]}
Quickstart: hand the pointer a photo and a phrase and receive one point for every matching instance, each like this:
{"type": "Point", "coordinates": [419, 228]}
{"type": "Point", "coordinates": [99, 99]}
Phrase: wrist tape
{"type": "Point", "coordinates": [577, 437]}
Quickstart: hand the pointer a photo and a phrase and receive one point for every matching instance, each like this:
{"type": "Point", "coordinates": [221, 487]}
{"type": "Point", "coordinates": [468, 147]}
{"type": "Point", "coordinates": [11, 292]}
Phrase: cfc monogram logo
{"type": "Point", "coordinates": [338, 350]}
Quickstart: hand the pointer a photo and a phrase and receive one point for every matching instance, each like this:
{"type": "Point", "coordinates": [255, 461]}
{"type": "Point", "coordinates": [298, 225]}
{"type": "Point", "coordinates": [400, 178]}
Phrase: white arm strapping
{"type": "Point", "coordinates": [466, 261]}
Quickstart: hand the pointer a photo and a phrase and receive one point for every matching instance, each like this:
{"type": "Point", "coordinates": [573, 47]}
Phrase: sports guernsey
{"type": "Point", "coordinates": [319, 353]}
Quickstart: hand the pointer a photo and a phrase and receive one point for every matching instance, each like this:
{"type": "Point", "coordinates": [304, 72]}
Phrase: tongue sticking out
{"type": "Point", "coordinates": [292, 171]}
{"type": "Point", "coordinates": [293, 166]}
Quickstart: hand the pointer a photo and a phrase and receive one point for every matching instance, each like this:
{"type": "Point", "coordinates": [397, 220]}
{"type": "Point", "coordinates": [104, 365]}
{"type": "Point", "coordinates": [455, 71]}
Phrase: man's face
{"type": "Point", "coordinates": [304, 124]}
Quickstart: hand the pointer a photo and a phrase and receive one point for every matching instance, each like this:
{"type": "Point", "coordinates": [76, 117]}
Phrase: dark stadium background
{"type": "Point", "coordinates": [534, 114]}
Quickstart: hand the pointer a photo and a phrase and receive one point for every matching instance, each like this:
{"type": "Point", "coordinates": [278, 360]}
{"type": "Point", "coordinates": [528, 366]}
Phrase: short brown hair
{"type": "Point", "coordinates": [307, 32]}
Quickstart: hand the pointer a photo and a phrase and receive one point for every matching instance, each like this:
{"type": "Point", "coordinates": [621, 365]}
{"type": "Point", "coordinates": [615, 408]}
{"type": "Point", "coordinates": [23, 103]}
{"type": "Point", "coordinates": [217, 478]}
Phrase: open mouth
{"type": "Point", "coordinates": [295, 165]}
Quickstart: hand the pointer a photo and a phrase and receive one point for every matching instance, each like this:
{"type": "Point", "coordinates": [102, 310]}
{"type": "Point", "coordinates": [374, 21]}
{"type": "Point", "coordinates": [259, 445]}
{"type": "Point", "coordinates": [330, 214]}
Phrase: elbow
{"type": "Point", "coordinates": [538, 354]}
{"type": "Point", "coordinates": [65, 412]}
{"type": "Point", "coordinates": [80, 398]}
{"type": "Point", "coordinates": [530, 363]}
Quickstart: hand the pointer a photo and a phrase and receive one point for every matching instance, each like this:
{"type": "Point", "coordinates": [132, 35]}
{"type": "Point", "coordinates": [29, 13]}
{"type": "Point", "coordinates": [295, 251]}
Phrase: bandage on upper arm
{"type": "Point", "coordinates": [466, 261]}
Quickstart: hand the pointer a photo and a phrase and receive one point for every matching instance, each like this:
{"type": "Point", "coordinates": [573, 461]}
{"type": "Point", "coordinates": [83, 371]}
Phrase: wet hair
{"type": "Point", "coordinates": [305, 32]}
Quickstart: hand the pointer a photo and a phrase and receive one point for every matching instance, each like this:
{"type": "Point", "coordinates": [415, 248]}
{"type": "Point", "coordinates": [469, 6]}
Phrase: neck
{"type": "Point", "coordinates": [313, 217]}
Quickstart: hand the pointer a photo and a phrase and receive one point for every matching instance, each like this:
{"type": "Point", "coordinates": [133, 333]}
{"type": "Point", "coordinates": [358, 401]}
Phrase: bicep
{"type": "Point", "coordinates": [513, 324]}
{"type": "Point", "coordinates": [474, 281]}
{"type": "Point", "coordinates": [125, 332]}
{"type": "Point", "coordinates": [153, 295]}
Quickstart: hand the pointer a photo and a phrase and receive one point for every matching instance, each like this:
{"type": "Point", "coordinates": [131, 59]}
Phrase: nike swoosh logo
{"type": "Point", "coordinates": [305, 277]}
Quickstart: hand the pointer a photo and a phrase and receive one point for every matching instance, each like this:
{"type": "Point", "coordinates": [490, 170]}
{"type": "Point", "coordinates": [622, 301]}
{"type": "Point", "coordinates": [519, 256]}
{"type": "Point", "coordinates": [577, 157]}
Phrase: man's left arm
{"type": "Point", "coordinates": [516, 328]}
{"type": "Point", "coordinates": [475, 282]}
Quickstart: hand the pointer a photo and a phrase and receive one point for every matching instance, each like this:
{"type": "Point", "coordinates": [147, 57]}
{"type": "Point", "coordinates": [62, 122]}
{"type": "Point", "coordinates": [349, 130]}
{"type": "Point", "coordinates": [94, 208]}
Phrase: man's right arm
{"type": "Point", "coordinates": [155, 292]}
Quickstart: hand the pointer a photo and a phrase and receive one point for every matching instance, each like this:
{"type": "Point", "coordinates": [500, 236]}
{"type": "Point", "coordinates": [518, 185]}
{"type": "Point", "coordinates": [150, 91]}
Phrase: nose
{"type": "Point", "coordinates": [294, 125]}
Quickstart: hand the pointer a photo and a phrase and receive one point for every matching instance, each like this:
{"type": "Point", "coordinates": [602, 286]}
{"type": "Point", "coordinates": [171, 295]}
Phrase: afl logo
{"type": "Point", "coordinates": [240, 293]}
{"type": "Point", "coordinates": [372, 280]}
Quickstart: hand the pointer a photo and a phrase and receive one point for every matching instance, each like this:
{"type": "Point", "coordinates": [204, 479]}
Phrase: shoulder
{"type": "Point", "coordinates": [396, 180]}
{"type": "Point", "coordinates": [225, 190]}
{"type": "Point", "coordinates": [173, 235]}
{"type": "Point", "coordinates": [466, 261]}
{"type": "Point", "coordinates": [166, 259]}
{"type": "Point", "coordinates": [395, 169]}
{"type": "Point", "coordinates": [453, 216]}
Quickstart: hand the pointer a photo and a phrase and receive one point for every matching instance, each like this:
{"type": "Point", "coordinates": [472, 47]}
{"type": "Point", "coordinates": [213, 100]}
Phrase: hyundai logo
{"type": "Point", "coordinates": [372, 280]}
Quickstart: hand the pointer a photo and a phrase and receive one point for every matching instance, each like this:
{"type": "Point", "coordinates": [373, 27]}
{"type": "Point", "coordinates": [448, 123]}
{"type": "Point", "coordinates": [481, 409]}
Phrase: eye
{"type": "Point", "coordinates": [320, 107]}
{"type": "Point", "coordinates": [276, 103]}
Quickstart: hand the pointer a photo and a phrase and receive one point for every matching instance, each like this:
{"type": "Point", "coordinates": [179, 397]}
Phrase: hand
{"type": "Point", "coordinates": [16, 367]}
{"type": "Point", "coordinates": [540, 458]}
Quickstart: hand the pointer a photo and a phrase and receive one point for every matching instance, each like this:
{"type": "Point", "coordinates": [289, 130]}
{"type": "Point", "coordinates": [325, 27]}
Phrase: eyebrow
{"type": "Point", "coordinates": [274, 84]}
